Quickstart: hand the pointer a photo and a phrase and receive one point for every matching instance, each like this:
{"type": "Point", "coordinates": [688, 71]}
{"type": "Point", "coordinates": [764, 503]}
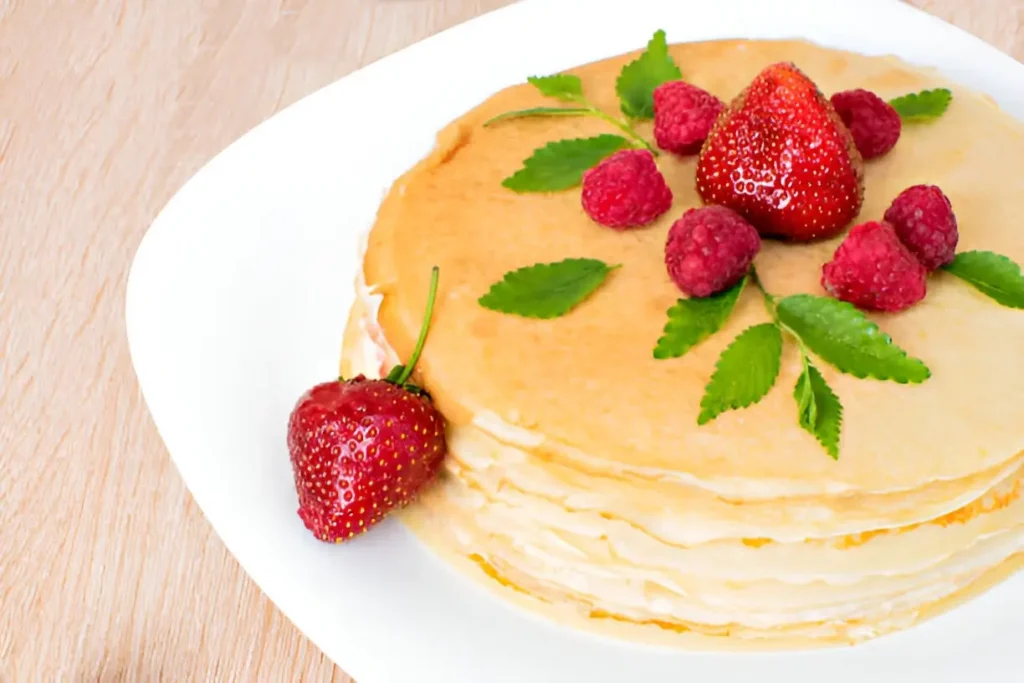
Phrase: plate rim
{"type": "Point", "coordinates": [408, 53]}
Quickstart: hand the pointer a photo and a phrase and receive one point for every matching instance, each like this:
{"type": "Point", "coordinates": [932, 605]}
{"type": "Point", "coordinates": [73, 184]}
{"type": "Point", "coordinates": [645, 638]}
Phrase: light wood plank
{"type": "Point", "coordinates": [108, 572]}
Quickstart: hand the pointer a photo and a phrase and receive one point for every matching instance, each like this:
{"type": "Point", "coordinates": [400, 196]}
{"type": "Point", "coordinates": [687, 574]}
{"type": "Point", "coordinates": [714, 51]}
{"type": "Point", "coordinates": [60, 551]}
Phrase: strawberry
{"type": "Point", "coordinates": [361, 448]}
{"type": "Point", "coordinates": [781, 156]}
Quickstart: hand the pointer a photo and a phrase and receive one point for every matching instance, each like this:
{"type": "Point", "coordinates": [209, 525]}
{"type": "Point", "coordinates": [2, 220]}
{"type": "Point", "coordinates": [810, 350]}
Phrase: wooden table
{"type": "Point", "coordinates": [108, 572]}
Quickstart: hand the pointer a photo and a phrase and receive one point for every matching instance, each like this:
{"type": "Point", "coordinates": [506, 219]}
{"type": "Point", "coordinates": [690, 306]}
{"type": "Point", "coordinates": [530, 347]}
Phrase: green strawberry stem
{"type": "Point", "coordinates": [400, 374]}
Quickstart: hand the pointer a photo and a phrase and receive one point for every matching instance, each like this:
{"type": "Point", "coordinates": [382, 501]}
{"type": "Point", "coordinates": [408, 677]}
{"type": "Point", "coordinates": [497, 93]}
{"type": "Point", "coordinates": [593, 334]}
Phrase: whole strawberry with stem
{"type": "Point", "coordinates": [361, 448]}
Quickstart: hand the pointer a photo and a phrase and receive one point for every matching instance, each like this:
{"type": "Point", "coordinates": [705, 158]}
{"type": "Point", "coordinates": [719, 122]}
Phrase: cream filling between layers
{"type": "Point", "coordinates": [375, 352]}
{"type": "Point", "coordinates": [701, 511]}
{"type": "Point", "coordinates": [562, 543]}
{"type": "Point", "coordinates": [623, 573]}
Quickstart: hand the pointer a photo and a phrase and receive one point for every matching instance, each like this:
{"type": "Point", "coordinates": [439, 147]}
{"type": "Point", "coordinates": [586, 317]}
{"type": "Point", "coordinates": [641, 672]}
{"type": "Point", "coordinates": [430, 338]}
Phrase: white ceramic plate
{"type": "Point", "coordinates": [237, 300]}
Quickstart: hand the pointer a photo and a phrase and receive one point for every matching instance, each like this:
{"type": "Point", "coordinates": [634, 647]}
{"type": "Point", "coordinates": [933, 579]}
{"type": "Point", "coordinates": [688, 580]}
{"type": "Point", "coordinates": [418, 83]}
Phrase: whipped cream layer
{"type": "Point", "coordinates": [577, 481]}
{"type": "Point", "coordinates": [662, 549]}
{"type": "Point", "coordinates": [676, 506]}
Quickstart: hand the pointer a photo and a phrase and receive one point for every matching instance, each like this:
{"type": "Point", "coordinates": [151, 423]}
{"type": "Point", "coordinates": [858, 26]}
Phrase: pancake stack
{"type": "Point", "coordinates": [578, 480]}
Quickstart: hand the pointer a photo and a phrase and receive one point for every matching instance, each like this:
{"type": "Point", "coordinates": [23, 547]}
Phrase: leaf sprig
{"type": "Point", "coordinates": [922, 106]}
{"type": "Point", "coordinates": [560, 165]}
{"type": "Point", "coordinates": [994, 275]}
{"type": "Point", "coordinates": [638, 80]}
{"type": "Point", "coordinates": [818, 408]}
{"type": "Point", "coordinates": [834, 331]}
{"type": "Point", "coordinates": [745, 372]}
{"type": "Point", "coordinates": [546, 290]}
{"type": "Point", "coordinates": [691, 321]}
{"type": "Point", "coordinates": [635, 87]}
{"type": "Point", "coordinates": [569, 88]}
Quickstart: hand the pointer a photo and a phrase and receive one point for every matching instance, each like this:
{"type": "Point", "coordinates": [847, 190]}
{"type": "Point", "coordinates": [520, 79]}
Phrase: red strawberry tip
{"type": "Point", "coordinates": [827, 194]}
{"type": "Point", "coordinates": [361, 448]}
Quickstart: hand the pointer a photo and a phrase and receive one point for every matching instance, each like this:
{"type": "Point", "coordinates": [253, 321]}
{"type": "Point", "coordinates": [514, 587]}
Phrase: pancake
{"type": "Point", "coordinates": [577, 478]}
{"type": "Point", "coordinates": [640, 411]}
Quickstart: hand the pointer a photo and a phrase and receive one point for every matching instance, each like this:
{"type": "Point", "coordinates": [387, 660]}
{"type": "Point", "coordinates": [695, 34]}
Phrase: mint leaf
{"type": "Point", "coordinates": [803, 392]}
{"type": "Point", "coordinates": [819, 409]}
{"type": "Point", "coordinates": [565, 87]}
{"type": "Point", "coordinates": [537, 111]}
{"type": "Point", "coordinates": [745, 372]}
{"type": "Point", "coordinates": [992, 274]}
{"type": "Point", "coordinates": [922, 106]}
{"type": "Point", "coordinates": [546, 290]}
{"type": "Point", "coordinates": [560, 165]}
{"type": "Point", "coordinates": [845, 338]}
{"type": "Point", "coordinates": [691, 321]}
{"type": "Point", "coordinates": [639, 78]}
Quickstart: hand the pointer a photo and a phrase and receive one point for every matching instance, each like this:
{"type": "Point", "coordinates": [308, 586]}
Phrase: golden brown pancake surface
{"type": "Point", "coordinates": [577, 477]}
{"type": "Point", "coordinates": [588, 380]}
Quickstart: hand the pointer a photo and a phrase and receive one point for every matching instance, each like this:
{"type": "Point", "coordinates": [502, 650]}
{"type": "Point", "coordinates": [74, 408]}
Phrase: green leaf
{"type": "Point", "coordinates": [546, 290]}
{"type": "Point", "coordinates": [538, 111]}
{"type": "Point", "coordinates": [560, 165]}
{"type": "Point", "coordinates": [691, 321]}
{"type": "Point", "coordinates": [745, 372]}
{"type": "Point", "coordinates": [844, 337]}
{"type": "Point", "coordinates": [565, 87]}
{"type": "Point", "coordinates": [992, 274]}
{"type": "Point", "coordinates": [819, 409]}
{"type": "Point", "coordinates": [639, 78]}
{"type": "Point", "coordinates": [922, 106]}
{"type": "Point", "coordinates": [807, 407]}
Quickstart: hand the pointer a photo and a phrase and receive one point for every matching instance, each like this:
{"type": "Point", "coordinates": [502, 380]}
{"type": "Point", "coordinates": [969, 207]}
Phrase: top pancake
{"type": "Point", "coordinates": [588, 381]}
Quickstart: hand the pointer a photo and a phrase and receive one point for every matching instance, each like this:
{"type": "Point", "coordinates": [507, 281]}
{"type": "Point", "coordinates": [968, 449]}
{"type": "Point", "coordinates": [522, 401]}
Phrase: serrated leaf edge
{"type": "Point", "coordinates": [659, 34]}
{"type": "Point", "coordinates": [985, 288]}
{"type": "Point", "coordinates": [563, 97]}
{"type": "Point", "coordinates": [831, 449]}
{"type": "Point", "coordinates": [872, 328]}
{"type": "Point", "coordinates": [732, 405]}
{"type": "Point", "coordinates": [915, 96]}
{"type": "Point", "coordinates": [798, 395]}
{"type": "Point", "coordinates": [484, 301]}
{"type": "Point", "coordinates": [680, 304]}
{"type": "Point", "coordinates": [624, 143]}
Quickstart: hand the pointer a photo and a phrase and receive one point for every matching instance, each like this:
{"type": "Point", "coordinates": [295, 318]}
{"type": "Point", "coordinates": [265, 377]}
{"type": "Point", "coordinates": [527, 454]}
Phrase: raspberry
{"type": "Point", "coordinates": [683, 116]}
{"type": "Point", "coordinates": [874, 124]}
{"type": "Point", "coordinates": [709, 249]}
{"type": "Point", "coordinates": [874, 271]}
{"type": "Point", "coordinates": [626, 190]}
{"type": "Point", "coordinates": [924, 221]}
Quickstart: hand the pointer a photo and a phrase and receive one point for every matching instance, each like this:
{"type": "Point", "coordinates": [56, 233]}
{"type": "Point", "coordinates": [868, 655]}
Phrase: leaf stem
{"type": "Point", "coordinates": [769, 300]}
{"type": "Point", "coordinates": [431, 295]}
{"type": "Point", "coordinates": [623, 126]}
{"type": "Point", "coordinates": [585, 108]}
{"type": "Point", "coordinates": [618, 123]}
{"type": "Point", "coordinates": [771, 305]}
{"type": "Point", "coordinates": [804, 358]}
{"type": "Point", "coordinates": [537, 111]}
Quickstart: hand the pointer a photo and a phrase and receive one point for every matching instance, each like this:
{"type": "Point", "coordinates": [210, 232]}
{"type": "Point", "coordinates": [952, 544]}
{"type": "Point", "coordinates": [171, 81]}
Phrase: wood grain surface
{"type": "Point", "coordinates": [108, 571]}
